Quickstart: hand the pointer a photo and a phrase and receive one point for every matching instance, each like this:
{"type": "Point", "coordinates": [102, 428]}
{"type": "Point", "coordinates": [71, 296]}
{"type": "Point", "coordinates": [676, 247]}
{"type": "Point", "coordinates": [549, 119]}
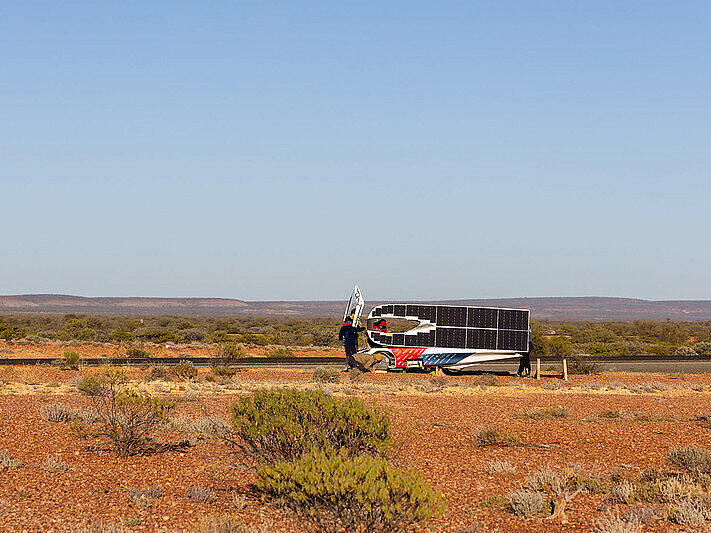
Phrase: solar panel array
{"type": "Point", "coordinates": [457, 327]}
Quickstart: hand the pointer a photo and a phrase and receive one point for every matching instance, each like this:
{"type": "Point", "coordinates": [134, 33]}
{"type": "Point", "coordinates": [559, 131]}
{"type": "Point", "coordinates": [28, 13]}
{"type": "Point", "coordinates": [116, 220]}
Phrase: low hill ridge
{"type": "Point", "coordinates": [557, 308]}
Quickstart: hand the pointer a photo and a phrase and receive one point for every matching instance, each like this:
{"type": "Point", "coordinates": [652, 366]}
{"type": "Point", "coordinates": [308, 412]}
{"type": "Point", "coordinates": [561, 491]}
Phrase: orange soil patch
{"type": "Point", "coordinates": [434, 431]}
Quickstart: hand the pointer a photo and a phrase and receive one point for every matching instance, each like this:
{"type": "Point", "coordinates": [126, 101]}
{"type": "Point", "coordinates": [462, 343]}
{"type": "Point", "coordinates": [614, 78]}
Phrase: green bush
{"type": "Point", "coordinates": [121, 335]}
{"type": "Point", "coordinates": [9, 332]}
{"type": "Point", "coordinates": [282, 424]}
{"type": "Point", "coordinates": [580, 365]}
{"type": "Point", "coordinates": [156, 336]}
{"type": "Point", "coordinates": [609, 349]}
{"type": "Point", "coordinates": [325, 375]}
{"type": "Point", "coordinates": [225, 371]}
{"type": "Point", "coordinates": [334, 492]}
{"type": "Point", "coordinates": [126, 418]}
{"type": "Point", "coordinates": [231, 352]}
{"type": "Point", "coordinates": [71, 358]}
{"type": "Point", "coordinates": [282, 351]}
{"type": "Point", "coordinates": [183, 370]}
{"type": "Point", "coordinates": [559, 347]}
{"type": "Point", "coordinates": [137, 352]}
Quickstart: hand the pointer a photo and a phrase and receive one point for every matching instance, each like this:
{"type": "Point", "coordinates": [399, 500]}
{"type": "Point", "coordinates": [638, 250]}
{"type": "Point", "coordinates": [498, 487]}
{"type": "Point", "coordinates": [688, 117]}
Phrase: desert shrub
{"type": "Point", "coordinates": [545, 480]}
{"type": "Point", "coordinates": [702, 348]}
{"type": "Point", "coordinates": [157, 373]}
{"type": "Point", "coordinates": [623, 492]}
{"type": "Point", "coordinates": [137, 352]}
{"type": "Point", "coordinates": [142, 497]}
{"type": "Point", "coordinates": [127, 418]}
{"type": "Point", "coordinates": [53, 412]}
{"type": "Point", "coordinates": [496, 502]}
{"type": "Point", "coordinates": [674, 489]}
{"type": "Point", "coordinates": [231, 352]}
{"type": "Point", "coordinates": [333, 491]}
{"type": "Point", "coordinates": [548, 413]}
{"type": "Point", "coordinates": [220, 524]}
{"type": "Point", "coordinates": [609, 349]}
{"type": "Point", "coordinates": [580, 365]}
{"type": "Point", "coordinates": [71, 358]}
{"type": "Point", "coordinates": [645, 514]}
{"type": "Point", "coordinates": [526, 503]}
{"type": "Point", "coordinates": [54, 464]}
{"type": "Point", "coordinates": [120, 335]}
{"type": "Point", "coordinates": [225, 371]}
{"type": "Point", "coordinates": [7, 462]}
{"type": "Point", "coordinates": [281, 351]}
{"type": "Point", "coordinates": [192, 335]}
{"type": "Point", "coordinates": [199, 494]}
{"type": "Point", "coordinates": [282, 424]}
{"type": "Point", "coordinates": [560, 486]}
{"type": "Point", "coordinates": [613, 523]}
{"type": "Point", "coordinates": [493, 436]}
{"type": "Point", "coordinates": [685, 351]}
{"type": "Point", "coordinates": [612, 414]}
{"type": "Point", "coordinates": [693, 460]}
{"type": "Point", "coordinates": [208, 426]}
{"type": "Point", "coordinates": [487, 380]}
{"type": "Point", "coordinates": [183, 370]}
{"type": "Point", "coordinates": [9, 332]}
{"type": "Point", "coordinates": [499, 467]}
{"type": "Point", "coordinates": [646, 388]}
{"type": "Point", "coordinates": [156, 336]}
{"type": "Point", "coordinates": [560, 347]}
{"type": "Point", "coordinates": [688, 513]}
{"type": "Point", "coordinates": [325, 375]}
{"type": "Point", "coordinates": [660, 349]}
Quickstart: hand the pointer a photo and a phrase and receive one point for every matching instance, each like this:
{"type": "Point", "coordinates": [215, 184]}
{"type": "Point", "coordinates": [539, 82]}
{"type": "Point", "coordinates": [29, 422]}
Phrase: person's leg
{"type": "Point", "coordinates": [526, 360]}
{"type": "Point", "coordinates": [521, 365]}
{"type": "Point", "coordinates": [350, 350]}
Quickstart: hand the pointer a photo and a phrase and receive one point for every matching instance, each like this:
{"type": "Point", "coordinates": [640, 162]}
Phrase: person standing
{"type": "Point", "coordinates": [348, 335]}
{"type": "Point", "coordinates": [524, 365]}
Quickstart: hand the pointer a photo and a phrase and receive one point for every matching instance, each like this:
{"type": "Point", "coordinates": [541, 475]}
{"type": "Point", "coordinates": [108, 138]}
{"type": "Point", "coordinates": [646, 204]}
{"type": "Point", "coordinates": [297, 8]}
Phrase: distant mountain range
{"type": "Point", "coordinates": [568, 308]}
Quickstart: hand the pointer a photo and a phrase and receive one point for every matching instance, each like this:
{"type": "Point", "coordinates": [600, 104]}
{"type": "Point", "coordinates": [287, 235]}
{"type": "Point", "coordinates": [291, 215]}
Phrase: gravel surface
{"type": "Point", "coordinates": [434, 419]}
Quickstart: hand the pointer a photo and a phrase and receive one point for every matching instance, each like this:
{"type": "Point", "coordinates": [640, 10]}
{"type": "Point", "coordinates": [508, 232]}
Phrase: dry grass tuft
{"type": "Point", "coordinates": [54, 464]}
{"type": "Point", "coordinates": [199, 494]}
{"type": "Point", "coordinates": [8, 462]}
{"type": "Point", "coordinates": [492, 436]}
{"type": "Point", "coordinates": [499, 467]}
{"type": "Point", "coordinates": [526, 503]}
{"type": "Point", "coordinates": [613, 523]}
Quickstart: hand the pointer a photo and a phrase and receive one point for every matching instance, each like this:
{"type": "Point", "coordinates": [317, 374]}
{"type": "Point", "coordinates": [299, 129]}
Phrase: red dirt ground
{"type": "Point", "coordinates": [434, 421]}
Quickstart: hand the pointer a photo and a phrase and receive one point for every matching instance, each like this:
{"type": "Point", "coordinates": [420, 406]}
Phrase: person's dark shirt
{"type": "Point", "coordinates": [348, 334]}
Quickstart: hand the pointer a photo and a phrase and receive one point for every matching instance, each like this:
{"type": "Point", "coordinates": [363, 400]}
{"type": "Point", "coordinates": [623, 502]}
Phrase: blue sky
{"type": "Point", "coordinates": [269, 150]}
